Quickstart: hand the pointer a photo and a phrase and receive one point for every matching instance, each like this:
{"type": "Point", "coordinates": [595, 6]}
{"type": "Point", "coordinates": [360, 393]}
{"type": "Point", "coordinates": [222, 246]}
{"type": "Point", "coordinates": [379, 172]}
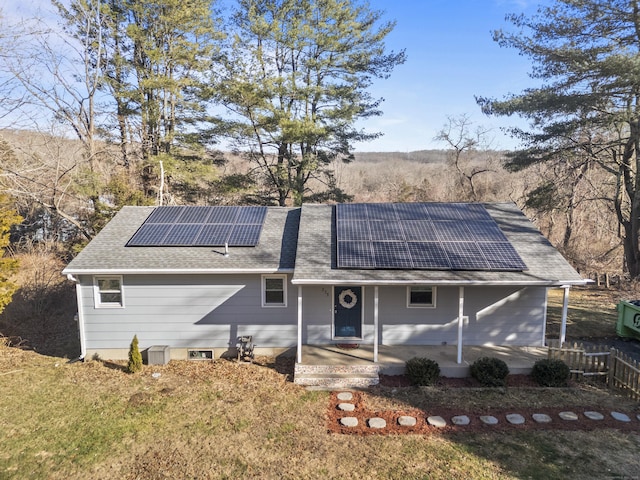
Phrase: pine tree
{"type": "Point", "coordinates": [135, 358]}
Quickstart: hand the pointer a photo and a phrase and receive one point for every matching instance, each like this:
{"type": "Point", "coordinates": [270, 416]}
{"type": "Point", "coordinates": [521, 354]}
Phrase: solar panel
{"type": "Point", "coordinates": [465, 256]}
{"type": "Point", "coordinates": [429, 255]}
{"type": "Point", "coordinates": [388, 231]}
{"type": "Point", "coordinates": [355, 255]}
{"type": "Point", "coordinates": [353, 230]}
{"type": "Point", "coordinates": [245, 235]}
{"type": "Point", "coordinates": [419, 230]}
{"type": "Point", "coordinates": [201, 226]}
{"type": "Point", "coordinates": [152, 234]}
{"type": "Point", "coordinates": [181, 234]}
{"type": "Point", "coordinates": [442, 236]}
{"type": "Point", "coordinates": [500, 255]}
{"type": "Point", "coordinates": [391, 255]}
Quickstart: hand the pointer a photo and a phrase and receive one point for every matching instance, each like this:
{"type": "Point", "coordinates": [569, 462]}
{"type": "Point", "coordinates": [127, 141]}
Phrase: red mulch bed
{"type": "Point", "coordinates": [362, 413]}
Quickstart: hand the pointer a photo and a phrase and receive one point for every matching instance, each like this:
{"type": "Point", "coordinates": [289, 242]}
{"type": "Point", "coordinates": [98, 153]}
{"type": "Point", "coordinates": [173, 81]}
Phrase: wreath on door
{"type": "Point", "coordinates": [347, 298]}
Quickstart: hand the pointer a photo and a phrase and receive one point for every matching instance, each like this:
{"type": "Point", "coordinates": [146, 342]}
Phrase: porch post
{"type": "Point", "coordinates": [375, 324]}
{"type": "Point", "coordinates": [460, 321]}
{"type": "Point", "coordinates": [565, 309]}
{"type": "Point", "coordinates": [299, 352]}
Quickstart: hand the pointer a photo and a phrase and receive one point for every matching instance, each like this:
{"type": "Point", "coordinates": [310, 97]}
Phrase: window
{"type": "Point", "coordinates": [107, 292]}
{"type": "Point", "coordinates": [274, 291]}
{"type": "Point", "coordinates": [421, 296]}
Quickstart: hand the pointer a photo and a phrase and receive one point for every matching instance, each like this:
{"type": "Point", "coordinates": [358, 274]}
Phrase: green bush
{"type": "Point", "coordinates": [490, 371]}
{"type": "Point", "coordinates": [135, 358]}
{"type": "Point", "coordinates": [550, 373]}
{"type": "Point", "coordinates": [422, 371]}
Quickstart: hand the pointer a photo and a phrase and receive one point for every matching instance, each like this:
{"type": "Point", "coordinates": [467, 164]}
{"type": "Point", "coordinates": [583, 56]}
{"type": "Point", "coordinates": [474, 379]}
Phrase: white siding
{"type": "Point", "coordinates": [188, 311]}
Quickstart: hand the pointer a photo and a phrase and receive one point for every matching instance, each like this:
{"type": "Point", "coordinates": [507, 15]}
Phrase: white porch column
{"type": "Point", "coordinates": [565, 309]}
{"type": "Point", "coordinates": [460, 321]}
{"type": "Point", "coordinates": [375, 324]}
{"type": "Point", "coordinates": [299, 353]}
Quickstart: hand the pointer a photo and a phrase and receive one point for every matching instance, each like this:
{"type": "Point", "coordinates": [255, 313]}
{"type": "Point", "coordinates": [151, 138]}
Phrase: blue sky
{"type": "Point", "coordinates": [451, 57]}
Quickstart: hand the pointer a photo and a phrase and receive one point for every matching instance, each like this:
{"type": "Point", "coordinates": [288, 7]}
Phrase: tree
{"type": "Point", "coordinates": [8, 265]}
{"type": "Point", "coordinates": [585, 53]}
{"type": "Point", "coordinates": [296, 82]}
{"type": "Point", "coordinates": [135, 357]}
{"type": "Point", "coordinates": [466, 145]}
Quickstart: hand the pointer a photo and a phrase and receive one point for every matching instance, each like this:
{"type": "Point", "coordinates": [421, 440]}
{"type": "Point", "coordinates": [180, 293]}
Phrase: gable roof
{"type": "Point", "coordinates": [316, 257]}
{"type": "Point", "coordinates": [303, 241]}
{"type": "Point", "coordinates": [107, 252]}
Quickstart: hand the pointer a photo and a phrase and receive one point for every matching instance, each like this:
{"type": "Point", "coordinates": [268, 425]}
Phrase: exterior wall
{"type": "Point", "coordinates": [493, 316]}
{"type": "Point", "coordinates": [187, 312]}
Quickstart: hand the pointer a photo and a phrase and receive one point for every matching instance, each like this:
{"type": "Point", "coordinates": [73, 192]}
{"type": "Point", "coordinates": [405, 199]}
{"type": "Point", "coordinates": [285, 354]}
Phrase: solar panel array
{"type": "Point", "coordinates": [415, 236]}
{"type": "Point", "coordinates": [201, 227]}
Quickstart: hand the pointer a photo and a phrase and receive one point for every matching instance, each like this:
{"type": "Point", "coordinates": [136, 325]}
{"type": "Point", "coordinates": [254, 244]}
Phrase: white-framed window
{"type": "Point", "coordinates": [274, 290]}
{"type": "Point", "coordinates": [421, 296]}
{"type": "Point", "coordinates": [107, 291]}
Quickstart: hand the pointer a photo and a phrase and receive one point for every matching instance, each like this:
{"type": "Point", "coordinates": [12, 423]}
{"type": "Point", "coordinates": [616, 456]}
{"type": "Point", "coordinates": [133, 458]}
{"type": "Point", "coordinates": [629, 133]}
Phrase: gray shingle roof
{"type": "Point", "coordinates": [315, 262]}
{"type": "Point", "coordinates": [107, 252]}
{"type": "Point", "coordinates": [305, 239]}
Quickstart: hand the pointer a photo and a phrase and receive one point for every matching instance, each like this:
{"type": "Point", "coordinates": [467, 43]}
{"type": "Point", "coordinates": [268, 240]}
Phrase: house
{"type": "Point", "coordinates": [196, 278]}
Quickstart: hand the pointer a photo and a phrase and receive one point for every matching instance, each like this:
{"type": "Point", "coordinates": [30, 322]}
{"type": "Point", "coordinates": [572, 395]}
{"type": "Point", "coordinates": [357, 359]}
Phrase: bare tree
{"type": "Point", "coordinates": [465, 146]}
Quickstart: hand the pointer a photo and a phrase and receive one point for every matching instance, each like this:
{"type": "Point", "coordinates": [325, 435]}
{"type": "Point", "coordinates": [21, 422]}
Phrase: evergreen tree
{"type": "Point", "coordinates": [587, 109]}
{"type": "Point", "coordinates": [135, 358]}
{"type": "Point", "coordinates": [8, 265]}
{"type": "Point", "coordinates": [296, 82]}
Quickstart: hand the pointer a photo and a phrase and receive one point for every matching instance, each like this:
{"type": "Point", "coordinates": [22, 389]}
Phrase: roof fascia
{"type": "Point", "coordinates": [222, 271]}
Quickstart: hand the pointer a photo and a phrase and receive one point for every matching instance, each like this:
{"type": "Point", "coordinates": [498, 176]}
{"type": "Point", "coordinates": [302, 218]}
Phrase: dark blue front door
{"type": "Point", "coordinates": [347, 312]}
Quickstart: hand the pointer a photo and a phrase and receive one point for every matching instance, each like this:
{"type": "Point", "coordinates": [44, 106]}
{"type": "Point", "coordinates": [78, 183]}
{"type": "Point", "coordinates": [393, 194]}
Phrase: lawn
{"type": "Point", "coordinates": [227, 420]}
{"type": "Point", "coordinates": [592, 312]}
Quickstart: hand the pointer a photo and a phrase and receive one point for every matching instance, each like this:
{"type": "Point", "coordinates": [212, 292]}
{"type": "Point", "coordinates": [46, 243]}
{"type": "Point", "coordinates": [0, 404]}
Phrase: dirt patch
{"type": "Point", "coordinates": [363, 413]}
{"type": "Point", "coordinates": [448, 382]}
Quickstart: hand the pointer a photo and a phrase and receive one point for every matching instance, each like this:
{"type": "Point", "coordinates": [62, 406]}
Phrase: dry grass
{"type": "Point", "coordinates": [226, 420]}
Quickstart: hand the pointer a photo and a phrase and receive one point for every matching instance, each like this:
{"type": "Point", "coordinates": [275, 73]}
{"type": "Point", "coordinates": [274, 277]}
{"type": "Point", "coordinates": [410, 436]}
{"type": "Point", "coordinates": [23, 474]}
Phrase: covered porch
{"type": "Point", "coordinates": [391, 359]}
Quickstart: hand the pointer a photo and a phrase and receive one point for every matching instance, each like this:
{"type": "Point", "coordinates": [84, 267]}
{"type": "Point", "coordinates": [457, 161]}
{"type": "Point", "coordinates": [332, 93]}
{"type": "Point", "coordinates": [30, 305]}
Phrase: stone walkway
{"type": "Point", "coordinates": [352, 415]}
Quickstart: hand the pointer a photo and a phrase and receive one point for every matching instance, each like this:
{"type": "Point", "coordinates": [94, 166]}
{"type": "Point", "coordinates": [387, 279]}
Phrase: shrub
{"type": "Point", "coordinates": [422, 371]}
{"type": "Point", "coordinates": [490, 372]}
{"type": "Point", "coordinates": [135, 358]}
{"type": "Point", "coordinates": [550, 373]}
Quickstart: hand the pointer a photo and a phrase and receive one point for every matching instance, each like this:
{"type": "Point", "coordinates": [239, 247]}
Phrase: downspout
{"type": "Point", "coordinates": [460, 321]}
{"type": "Point", "coordinates": [299, 352]}
{"type": "Point", "coordinates": [83, 346]}
{"type": "Point", "coordinates": [565, 309]}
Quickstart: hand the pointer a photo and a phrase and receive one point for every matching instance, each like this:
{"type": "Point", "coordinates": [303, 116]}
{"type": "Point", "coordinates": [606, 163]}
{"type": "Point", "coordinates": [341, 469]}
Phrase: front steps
{"type": "Point", "coordinates": [336, 376]}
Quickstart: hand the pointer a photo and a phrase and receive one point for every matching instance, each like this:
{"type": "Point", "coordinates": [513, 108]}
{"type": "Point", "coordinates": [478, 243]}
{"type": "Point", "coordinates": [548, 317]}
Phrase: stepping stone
{"type": "Point", "coordinates": [489, 420]}
{"type": "Point", "coordinates": [460, 420]}
{"type": "Point", "coordinates": [569, 416]}
{"type": "Point", "coordinates": [377, 422]}
{"type": "Point", "coordinates": [515, 419]}
{"type": "Point", "coordinates": [407, 421]}
{"type": "Point", "coordinates": [594, 415]}
{"type": "Point", "coordinates": [541, 418]}
{"type": "Point", "coordinates": [349, 421]}
{"type": "Point", "coordinates": [345, 396]}
{"type": "Point", "coordinates": [346, 407]}
{"type": "Point", "coordinates": [436, 421]}
{"type": "Point", "coordinates": [621, 417]}
{"type": "Point", "coordinates": [638, 416]}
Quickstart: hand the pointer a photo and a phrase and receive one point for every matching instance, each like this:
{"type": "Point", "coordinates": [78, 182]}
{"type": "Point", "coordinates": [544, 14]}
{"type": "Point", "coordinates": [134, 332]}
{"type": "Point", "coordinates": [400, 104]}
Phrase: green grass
{"type": "Point", "coordinates": [592, 313]}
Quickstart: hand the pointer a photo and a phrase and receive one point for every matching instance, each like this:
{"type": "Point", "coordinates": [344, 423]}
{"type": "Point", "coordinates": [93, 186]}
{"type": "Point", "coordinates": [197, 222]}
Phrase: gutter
{"type": "Point", "coordinates": [454, 283]}
{"type": "Point", "coordinates": [191, 271]}
{"type": "Point", "coordinates": [80, 315]}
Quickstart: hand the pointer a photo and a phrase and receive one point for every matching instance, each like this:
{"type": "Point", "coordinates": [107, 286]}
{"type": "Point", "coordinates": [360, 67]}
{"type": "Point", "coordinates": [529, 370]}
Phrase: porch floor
{"type": "Point", "coordinates": [392, 359]}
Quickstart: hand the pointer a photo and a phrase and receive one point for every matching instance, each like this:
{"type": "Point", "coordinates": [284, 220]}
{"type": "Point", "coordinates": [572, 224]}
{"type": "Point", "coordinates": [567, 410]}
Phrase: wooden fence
{"type": "Point", "coordinates": [618, 370]}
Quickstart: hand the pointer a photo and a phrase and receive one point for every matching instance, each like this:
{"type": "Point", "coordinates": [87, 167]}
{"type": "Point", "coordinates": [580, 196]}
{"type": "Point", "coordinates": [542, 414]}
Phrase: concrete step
{"type": "Point", "coordinates": [336, 376]}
